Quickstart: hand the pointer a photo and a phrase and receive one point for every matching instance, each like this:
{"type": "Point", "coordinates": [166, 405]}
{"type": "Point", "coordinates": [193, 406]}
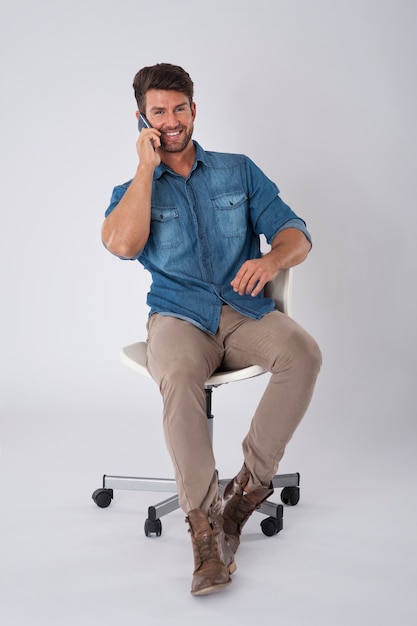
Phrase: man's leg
{"type": "Point", "coordinates": [281, 346]}
{"type": "Point", "coordinates": [180, 359]}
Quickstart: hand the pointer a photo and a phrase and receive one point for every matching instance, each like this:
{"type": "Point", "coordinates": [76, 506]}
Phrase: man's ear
{"type": "Point", "coordinates": [193, 110]}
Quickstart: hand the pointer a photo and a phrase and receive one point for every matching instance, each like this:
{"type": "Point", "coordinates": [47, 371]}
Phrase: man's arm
{"type": "Point", "coordinates": [289, 247]}
{"type": "Point", "coordinates": [126, 229]}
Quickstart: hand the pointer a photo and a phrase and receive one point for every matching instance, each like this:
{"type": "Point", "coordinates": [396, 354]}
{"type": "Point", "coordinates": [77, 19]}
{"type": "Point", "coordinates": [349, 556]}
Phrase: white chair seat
{"type": "Point", "coordinates": [134, 356]}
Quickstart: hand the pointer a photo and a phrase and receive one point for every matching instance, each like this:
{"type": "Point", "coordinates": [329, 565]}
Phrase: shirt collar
{"type": "Point", "coordinates": [200, 156]}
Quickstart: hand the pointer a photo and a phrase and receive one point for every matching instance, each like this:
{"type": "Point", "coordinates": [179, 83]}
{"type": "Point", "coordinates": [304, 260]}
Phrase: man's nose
{"type": "Point", "coordinates": [172, 119]}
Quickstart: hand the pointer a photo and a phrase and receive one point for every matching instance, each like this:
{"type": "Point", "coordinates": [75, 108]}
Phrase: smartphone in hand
{"type": "Point", "coordinates": [143, 122]}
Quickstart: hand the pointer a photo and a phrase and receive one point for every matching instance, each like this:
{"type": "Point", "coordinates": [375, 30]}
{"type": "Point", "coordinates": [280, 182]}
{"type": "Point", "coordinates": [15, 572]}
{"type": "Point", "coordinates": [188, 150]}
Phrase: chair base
{"type": "Point", "coordinates": [273, 524]}
{"type": "Point", "coordinates": [290, 495]}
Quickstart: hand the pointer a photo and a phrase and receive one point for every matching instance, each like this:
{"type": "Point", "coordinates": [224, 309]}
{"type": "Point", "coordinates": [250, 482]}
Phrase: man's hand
{"type": "Point", "coordinates": [290, 247]}
{"type": "Point", "coordinates": [146, 146]}
{"type": "Point", "coordinates": [253, 275]}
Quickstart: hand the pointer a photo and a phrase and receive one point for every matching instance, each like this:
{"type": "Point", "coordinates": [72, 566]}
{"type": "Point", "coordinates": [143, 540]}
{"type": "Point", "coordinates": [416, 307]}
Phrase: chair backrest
{"type": "Point", "coordinates": [280, 290]}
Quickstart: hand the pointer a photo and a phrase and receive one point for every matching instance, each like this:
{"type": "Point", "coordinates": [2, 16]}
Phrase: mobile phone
{"type": "Point", "coordinates": [143, 122]}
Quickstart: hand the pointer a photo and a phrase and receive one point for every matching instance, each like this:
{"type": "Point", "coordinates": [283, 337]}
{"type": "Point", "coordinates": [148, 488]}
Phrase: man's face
{"type": "Point", "coordinates": [171, 113]}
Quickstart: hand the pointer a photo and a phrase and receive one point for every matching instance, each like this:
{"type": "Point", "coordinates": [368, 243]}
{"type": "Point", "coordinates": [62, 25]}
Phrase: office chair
{"type": "Point", "coordinates": [134, 356]}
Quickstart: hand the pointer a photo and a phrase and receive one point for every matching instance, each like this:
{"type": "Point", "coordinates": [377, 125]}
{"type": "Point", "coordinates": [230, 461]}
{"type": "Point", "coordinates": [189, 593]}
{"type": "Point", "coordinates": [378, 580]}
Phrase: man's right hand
{"type": "Point", "coordinates": [147, 146]}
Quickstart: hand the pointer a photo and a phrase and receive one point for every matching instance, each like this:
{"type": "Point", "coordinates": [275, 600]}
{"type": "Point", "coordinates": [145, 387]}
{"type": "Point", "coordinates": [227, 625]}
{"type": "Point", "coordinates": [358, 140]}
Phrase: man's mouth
{"type": "Point", "coordinates": [172, 134]}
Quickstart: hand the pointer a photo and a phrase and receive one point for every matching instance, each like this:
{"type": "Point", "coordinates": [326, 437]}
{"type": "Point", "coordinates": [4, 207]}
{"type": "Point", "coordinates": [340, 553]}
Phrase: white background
{"type": "Point", "coordinates": [320, 94]}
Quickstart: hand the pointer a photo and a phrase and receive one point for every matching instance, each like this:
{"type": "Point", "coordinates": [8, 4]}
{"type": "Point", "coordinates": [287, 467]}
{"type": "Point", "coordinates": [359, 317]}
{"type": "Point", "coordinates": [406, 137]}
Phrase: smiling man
{"type": "Point", "coordinates": [193, 219]}
{"type": "Point", "coordinates": [170, 111]}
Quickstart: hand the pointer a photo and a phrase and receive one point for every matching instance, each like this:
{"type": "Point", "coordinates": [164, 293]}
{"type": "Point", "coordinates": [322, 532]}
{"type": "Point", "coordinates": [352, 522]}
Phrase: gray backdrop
{"type": "Point", "coordinates": [322, 96]}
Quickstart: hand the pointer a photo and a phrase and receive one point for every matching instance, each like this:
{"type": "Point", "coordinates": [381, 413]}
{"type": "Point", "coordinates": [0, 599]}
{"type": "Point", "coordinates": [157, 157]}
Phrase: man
{"type": "Point", "coordinates": [193, 220]}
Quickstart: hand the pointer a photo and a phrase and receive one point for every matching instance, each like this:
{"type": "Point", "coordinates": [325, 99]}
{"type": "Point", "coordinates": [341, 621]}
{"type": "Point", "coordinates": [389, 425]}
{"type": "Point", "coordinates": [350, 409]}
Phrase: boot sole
{"type": "Point", "coordinates": [212, 589]}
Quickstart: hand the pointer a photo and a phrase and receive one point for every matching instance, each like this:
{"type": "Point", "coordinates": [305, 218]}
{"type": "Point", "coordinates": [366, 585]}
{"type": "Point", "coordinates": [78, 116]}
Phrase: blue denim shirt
{"type": "Point", "coordinates": [202, 229]}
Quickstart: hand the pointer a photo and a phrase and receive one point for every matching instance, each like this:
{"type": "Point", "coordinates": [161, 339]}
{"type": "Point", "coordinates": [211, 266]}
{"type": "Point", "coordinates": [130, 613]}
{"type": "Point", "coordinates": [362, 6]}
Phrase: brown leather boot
{"type": "Point", "coordinates": [210, 571]}
{"type": "Point", "coordinates": [225, 550]}
{"type": "Point", "coordinates": [237, 506]}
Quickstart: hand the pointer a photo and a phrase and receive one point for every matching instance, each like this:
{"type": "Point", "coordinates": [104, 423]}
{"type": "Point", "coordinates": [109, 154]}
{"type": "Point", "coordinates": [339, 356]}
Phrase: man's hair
{"type": "Point", "coordinates": [161, 76]}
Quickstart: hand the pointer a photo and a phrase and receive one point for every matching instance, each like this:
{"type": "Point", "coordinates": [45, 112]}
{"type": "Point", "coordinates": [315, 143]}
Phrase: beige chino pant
{"type": "Point", "coordinates": [181, 357]}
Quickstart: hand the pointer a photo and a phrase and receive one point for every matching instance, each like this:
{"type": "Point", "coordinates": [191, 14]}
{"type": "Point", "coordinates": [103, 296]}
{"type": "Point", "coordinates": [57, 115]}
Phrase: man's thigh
{"type": "Point", "coordinates": [175, 344]}
{"type": "Point", "coordinates": [265, 342]}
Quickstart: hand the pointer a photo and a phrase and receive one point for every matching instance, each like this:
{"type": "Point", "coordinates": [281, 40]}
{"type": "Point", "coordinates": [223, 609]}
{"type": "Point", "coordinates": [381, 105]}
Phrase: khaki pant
{"type": "Point", "coordinates": [181, 358]}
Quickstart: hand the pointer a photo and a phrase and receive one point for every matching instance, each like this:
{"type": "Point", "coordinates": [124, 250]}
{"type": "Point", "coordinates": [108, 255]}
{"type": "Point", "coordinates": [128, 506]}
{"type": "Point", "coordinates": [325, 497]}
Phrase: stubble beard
{"type": "Point", "coordinates": [180, 145]}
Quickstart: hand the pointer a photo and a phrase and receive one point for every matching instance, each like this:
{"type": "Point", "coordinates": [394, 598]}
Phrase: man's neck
{"type": "Point", "coordinates": [180, 162]}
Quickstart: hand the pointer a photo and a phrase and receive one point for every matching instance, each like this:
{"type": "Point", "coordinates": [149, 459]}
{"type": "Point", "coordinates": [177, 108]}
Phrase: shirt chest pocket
{"type": "Point", "coordinates": [165, 227]}
{"type": "Point", "coordinates": [231, 214]}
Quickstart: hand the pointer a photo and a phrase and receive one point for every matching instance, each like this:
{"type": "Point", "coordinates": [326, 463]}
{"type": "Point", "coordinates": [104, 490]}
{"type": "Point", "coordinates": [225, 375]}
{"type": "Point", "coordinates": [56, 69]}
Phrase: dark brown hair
{"type": "Point", "coordinates": [161, 76]}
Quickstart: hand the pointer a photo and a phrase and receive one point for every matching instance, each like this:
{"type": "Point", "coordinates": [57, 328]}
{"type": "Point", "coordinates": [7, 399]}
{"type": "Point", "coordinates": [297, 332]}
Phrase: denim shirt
{"type": "Point", "coordinates": [203, 228]}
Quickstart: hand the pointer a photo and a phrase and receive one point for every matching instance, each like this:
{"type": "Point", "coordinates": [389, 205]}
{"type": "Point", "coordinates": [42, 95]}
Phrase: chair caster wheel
{"type": "Point", "coordinates": [153, 527]}
{"type": "Point", "coordinates": [271, 526]}
{"type": "Point", "coordinates": [290, 495]}
{"type": "Point", "coordinates": [103, 497]}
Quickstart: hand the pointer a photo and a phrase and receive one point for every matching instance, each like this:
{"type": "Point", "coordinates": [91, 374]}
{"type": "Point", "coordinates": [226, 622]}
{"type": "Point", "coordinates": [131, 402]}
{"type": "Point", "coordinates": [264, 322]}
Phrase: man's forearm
{"type": "Point", "coordinates": [289, 248]}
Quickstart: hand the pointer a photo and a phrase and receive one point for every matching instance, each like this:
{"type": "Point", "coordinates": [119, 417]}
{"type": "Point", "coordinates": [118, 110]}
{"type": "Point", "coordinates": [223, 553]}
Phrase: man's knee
{"type": "Point", "coordinates": [313, 353]}
{"type": "Point", "coordinates": [298, 350]}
